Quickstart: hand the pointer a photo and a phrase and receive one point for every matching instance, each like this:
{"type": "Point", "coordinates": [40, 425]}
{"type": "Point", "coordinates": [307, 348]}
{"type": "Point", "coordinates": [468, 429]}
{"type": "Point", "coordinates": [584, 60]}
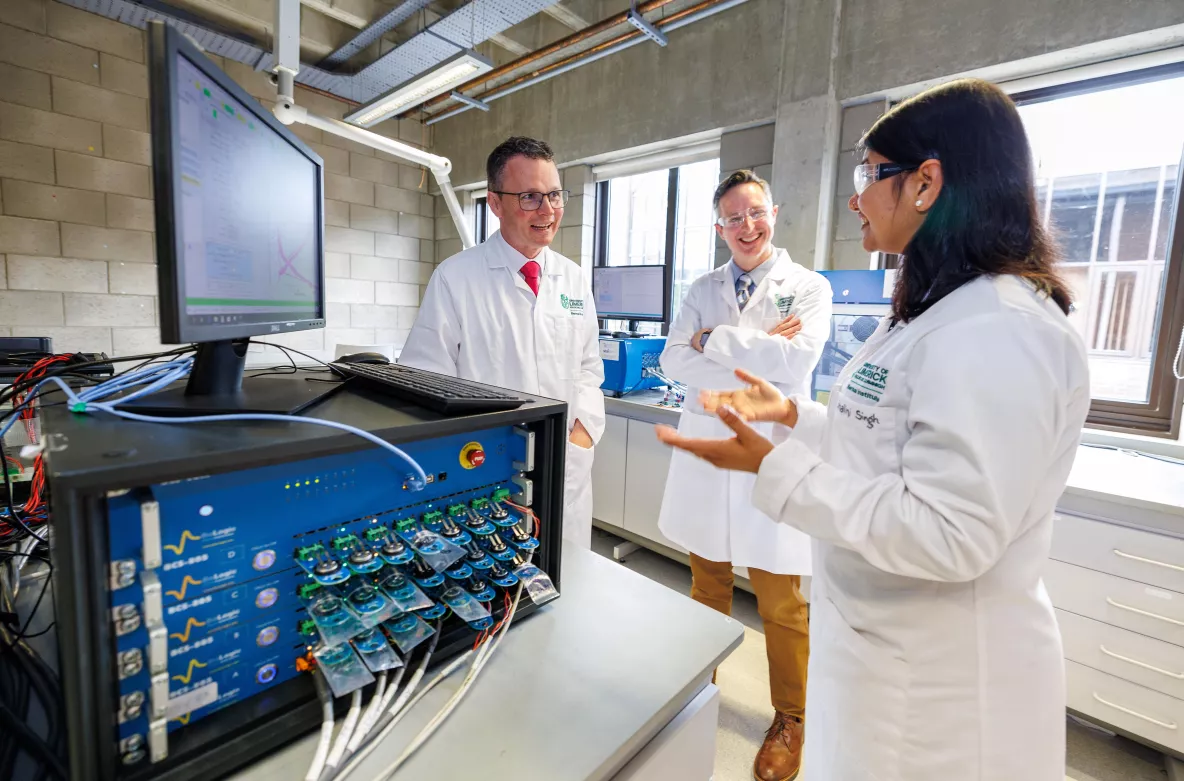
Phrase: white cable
{"type": "Point", "coordinates": [318, 760]}
{"type": "Point", "coordinates": [371, 715]}
{"type": "Point", "coordinates": [347, 730]}
{"type": "Point", "coordinates": [431, 727]}
{"type": "Point", "coordinates": [368, 749]}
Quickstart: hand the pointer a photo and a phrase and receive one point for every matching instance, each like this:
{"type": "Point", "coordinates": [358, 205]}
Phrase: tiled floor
{"type": "Point", "coordinates": [745, 712]}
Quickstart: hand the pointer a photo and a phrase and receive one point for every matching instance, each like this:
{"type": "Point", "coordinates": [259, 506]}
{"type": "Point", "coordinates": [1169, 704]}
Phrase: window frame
{"type": "Point", "coordinates": [1160, 415]}
{"type": "Point", "coordinates": [480, 218]}
{"type": "Point", "coordinates": [601, 229]}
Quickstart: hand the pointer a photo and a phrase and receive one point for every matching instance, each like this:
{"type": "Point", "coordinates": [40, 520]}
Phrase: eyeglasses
{"type": "Point", "coordinates": [755, 214]}
{"type": "Point", "coordinates": [868, 174]}
{"type": "Point", "coordinates": [532, 202]}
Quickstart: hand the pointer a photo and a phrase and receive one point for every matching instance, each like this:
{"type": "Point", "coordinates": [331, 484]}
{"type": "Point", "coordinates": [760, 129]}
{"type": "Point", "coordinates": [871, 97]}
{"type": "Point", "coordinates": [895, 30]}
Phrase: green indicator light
{"type": "Point", "coordinates": [229, 110]}
{"type": "Point", "coordinates": [206, 92]}
{"type": "Point", "coordinates": [215, 112]}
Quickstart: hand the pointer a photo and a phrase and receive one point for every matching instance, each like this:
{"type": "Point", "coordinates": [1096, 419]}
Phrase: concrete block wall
{"type": "Point", "coordinates": [748, 148]}
{"type": "Point", "coordinates": [847, 250]}
{"type": "Point", "coordinates": [77, 251]}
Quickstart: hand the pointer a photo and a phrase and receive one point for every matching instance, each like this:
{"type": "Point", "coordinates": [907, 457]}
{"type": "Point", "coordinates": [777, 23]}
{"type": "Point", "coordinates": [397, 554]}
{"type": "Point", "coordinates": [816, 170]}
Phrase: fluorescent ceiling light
{"type": "Point", "coordinates": [452, 72]}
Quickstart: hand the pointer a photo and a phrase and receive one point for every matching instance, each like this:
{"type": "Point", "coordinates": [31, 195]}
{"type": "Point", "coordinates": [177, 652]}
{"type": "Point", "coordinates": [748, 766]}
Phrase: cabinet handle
{"type": "Point", "coordinates": [1142, 560]}
{"type": "Point", "coordinates": [1136, 610]}
{"type": "Point", "coordinates": [1129, 712]}
{"type": "Point", "coordinates": [1137, 663]}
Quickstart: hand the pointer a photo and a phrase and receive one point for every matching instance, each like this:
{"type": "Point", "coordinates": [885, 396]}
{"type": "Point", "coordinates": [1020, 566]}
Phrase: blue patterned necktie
{"type": "Point", "coordinates": [744, 290]}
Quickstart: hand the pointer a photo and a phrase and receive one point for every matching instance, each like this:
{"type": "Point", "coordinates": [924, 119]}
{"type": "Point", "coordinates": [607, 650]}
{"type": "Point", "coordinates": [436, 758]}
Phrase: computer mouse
{"type": "Point", "coordinates": [363, 358]}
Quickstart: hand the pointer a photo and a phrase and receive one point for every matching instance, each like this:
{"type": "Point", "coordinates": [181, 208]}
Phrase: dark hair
{"type": "Point", "coordinates": [510, 148]}
{"type": "Point", "coordinates": [743, 176]}
{"type": "Point", "coordinates": [985, 220]}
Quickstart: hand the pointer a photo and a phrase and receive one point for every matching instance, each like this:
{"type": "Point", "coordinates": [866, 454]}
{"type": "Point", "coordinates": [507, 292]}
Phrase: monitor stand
{"type": "Point", "coordinates": [216, 387]}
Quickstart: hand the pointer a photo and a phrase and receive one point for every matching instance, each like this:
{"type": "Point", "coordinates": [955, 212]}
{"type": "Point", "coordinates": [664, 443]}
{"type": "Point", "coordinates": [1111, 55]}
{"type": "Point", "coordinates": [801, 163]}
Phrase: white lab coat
{"type": "Point", "coordinates": [706, 510]}
{"type": "Point", "coordinates": [479, 320]}
{"type": "Point", "coordinates": [928, 485]}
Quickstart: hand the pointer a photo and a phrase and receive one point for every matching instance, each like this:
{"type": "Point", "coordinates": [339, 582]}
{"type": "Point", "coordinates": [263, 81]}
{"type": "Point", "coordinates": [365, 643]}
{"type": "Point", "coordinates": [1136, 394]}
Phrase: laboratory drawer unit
{"type": "Point", "coordinates": [1130, 553]}
{"type": "Point", "coordinates": [1146, 714]}
{"type": "Point", "coordinates": [1124, 654]}
{"type": "Point", "coordinates": [186, 556]}
{"type": "Point", "coordinates": [1147, 610]}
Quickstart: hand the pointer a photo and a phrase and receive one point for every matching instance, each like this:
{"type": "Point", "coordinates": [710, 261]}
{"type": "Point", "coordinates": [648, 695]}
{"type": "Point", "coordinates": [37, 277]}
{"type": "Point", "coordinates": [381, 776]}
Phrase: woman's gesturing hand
{"type": "Point", "coordinates": [742, 453]}
{"type": "Point", "coordinates": [760, 400]}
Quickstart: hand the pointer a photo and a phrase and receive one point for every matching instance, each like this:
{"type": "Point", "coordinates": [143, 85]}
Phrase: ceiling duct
{"type": "Point", "coordinates": [462, 29]}
{"type": "Point", "coordinates": [380, 27]}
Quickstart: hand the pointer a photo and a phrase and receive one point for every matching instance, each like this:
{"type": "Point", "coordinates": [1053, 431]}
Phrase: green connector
{"type": "Point", "coordinates": [307, 590]}
{"type": "Point", "coordinates": [457, 510]}
{"type": "Point", "coordinates": [310, 551]}
{"type": "Point", "coordinates": [501, 494]}
{"type": "Point", "coordinates": [307, 627]}
{"type": "Point", "coordinates": [479, 504]}
{"type": "Point", "coordinates": [376, 533]}
{"type": "Point", "coordinates": [435, 516]}
{"type": "Point", "coordinates": [344, 542]}
{"type": "Point", "coordinates": [404, 524]}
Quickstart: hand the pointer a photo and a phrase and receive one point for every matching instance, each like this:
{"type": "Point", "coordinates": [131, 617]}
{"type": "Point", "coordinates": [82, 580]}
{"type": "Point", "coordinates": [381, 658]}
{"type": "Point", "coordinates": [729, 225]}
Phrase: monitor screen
{"type": "Point", "coordinates": [244, 256]}
{"type": "Point", "coordinates": [630, 292]}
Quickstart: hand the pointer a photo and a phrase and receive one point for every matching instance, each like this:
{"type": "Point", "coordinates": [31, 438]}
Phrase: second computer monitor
{"type": "Point", "coordinates": [630, 292]}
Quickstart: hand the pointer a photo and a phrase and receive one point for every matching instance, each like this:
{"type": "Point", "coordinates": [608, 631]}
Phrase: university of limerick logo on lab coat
{"type": "Point", "coordinates": [784, 304]}
{"type": "Point", "coordinates": [573, 305]}
{"type": "Point", "coordinates": [868, 382]}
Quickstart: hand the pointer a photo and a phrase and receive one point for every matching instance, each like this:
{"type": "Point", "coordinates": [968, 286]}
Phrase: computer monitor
{"type": "Point", "coordinates": [632, 293]}
{"type": "Point", "coordinates": [239, 230]}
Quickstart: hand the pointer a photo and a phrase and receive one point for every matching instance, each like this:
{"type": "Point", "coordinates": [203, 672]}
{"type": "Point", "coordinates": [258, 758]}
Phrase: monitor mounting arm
{"type": "Point", "coordinates": [286, 110]}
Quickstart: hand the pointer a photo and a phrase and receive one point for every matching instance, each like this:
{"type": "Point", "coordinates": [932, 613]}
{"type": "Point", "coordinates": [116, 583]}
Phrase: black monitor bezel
{"type": "Point", "coordinates": [663, 318]}
{"type": "Point", "coordinates": [164, 45]}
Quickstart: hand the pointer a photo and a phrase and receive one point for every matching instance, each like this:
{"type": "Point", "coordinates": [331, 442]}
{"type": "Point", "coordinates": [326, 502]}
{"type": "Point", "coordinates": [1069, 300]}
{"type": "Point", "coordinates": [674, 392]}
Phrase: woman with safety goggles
{"type": "Point", "coordinates": [928, 483]}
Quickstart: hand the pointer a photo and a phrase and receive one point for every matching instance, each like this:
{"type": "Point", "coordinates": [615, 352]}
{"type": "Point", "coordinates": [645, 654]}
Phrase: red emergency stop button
{"type": "Point", "coordinates": [472, 455]}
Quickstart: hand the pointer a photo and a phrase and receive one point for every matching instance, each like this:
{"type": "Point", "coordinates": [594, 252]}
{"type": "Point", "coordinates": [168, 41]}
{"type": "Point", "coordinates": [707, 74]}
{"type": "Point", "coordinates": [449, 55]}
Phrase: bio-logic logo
{"type": "Point", "coordinates": [573, 305]}
{"type": "Point", "coordinates": [784, 304]}
{"type": "Point", "coordinates": [869, 382]}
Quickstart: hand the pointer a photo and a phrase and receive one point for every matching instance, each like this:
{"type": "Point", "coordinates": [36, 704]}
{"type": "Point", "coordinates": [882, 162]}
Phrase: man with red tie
{"type": "Point", "coordinates": [514, 313]}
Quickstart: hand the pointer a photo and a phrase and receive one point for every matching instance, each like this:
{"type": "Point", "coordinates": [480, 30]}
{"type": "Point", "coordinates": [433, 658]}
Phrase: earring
{"type": "Point", "coordinates": [919, 202]}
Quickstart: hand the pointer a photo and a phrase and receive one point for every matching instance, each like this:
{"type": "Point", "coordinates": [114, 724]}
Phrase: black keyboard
{"type": "Point", "coordinates": [447, 395]}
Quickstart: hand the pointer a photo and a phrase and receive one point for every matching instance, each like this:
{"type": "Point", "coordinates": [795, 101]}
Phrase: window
{"type": "Point", "coordinates": [659, 217]}
{"type": "Point", "coordinates": [485, 221]}
{"type": "Point", "coordinates": [1108, 155]}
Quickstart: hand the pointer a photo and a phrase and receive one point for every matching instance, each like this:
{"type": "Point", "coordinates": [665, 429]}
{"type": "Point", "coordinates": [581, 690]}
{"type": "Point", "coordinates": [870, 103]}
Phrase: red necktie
{"type": "Point", "coordinates": [530, 271]}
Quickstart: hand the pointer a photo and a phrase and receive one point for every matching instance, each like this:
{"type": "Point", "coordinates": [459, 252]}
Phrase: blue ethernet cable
{"type": "Point", "coordinates": [155, 378]}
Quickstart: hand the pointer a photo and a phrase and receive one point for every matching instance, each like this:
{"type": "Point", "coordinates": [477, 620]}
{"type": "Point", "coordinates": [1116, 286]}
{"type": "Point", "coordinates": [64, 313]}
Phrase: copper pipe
{"type": "Point", "coordinates": [694, 9]}
{"type": "Point", "coordinates": [526, 59]}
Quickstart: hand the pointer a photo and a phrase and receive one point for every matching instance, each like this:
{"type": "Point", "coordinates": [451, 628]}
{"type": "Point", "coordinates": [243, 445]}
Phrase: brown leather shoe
{"type": "Point", "coordinates": [780, 757]}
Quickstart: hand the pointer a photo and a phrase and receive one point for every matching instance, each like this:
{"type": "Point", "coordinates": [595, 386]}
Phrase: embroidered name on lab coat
{"type": "Point", "coordinates": [573, 305]}
{"type": "Point", "coordinates": [869, 382]}
{"type": "Point", "coordinates": [784, 304]}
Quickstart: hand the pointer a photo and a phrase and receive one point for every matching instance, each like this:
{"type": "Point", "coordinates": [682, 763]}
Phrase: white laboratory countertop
{"type": "Point", "coordinates": [643, 406]}
{"type": "Point", "coordinates": [1127, 487]}
{"type": "Point", "coordinates": [573, 693]}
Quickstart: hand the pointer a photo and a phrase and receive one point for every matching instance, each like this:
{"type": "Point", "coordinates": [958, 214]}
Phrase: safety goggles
{"type": "Point", "coordinates": [756, 214]}
{"type": "Point", "coordinates": [868, 174]}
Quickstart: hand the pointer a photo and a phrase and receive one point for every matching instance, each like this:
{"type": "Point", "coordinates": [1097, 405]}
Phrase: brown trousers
{"type": "Point", "coordinates": [783, 610]}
